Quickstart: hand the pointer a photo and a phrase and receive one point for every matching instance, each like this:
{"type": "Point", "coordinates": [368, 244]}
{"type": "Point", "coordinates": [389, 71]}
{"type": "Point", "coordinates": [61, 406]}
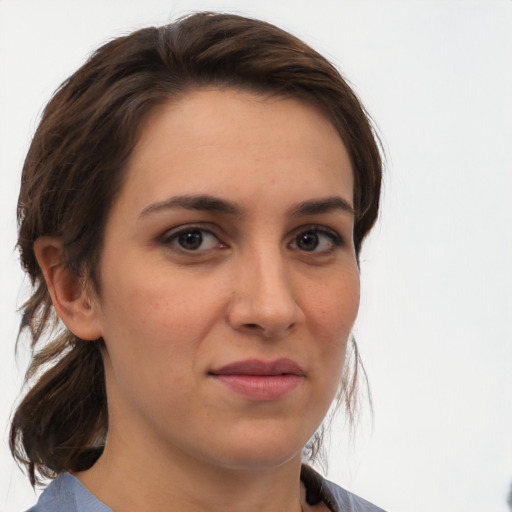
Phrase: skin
{"type": "Point", "coordinates": [269, 280]}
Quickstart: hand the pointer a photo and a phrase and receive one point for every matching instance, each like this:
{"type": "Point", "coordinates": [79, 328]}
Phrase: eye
{"type": "Point", "coordinates": [316, 239]}
{"type": "Point", "coordinates": [192, 238]}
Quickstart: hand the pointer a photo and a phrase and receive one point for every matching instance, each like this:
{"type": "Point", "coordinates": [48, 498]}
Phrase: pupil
{"type": "Point", "coordinates": [191, 239]}
{"type": "Point", "coordinates": [307, 241]}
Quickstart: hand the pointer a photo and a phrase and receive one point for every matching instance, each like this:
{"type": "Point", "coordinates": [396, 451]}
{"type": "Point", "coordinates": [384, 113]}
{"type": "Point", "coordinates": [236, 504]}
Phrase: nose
{"type": "Point", "coordinates": [264, 301]}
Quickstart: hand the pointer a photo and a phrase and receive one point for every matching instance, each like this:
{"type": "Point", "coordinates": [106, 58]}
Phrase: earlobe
{"type": "Point", "coordinates": [70, 296]}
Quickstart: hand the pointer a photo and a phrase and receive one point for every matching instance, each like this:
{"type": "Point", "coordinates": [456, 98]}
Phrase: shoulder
{"type": "Point", "coordinates": [335, 497]}
{"type": "Point", "coordinates": [67, 494]}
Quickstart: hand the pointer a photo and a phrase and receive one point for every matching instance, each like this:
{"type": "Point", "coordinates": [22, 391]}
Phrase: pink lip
{"type": "Point", "coordinates": [260, 380]}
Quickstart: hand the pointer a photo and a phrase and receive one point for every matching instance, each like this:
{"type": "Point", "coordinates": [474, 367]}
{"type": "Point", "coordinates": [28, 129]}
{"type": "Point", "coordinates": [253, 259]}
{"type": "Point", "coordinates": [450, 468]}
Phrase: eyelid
{"type": "Point", "coordinates": [337, 239]}
{"type": "Point", "coordinates": [172, 234]}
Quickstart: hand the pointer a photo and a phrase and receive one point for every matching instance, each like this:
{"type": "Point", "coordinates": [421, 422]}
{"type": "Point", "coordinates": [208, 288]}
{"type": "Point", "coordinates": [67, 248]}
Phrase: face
{"type": "Point", "coordinates": [229, 282]}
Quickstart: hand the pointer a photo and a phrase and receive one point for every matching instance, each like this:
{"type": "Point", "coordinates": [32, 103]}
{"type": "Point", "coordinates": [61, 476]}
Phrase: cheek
{"type": "Point", "coordinates": [332, 315]}
{"type": "Point", "coordinates": [156, 317]}
{"type": "Point", "coordinates": [150, 327]}
{"type": "Point", "coordinates": [334, 306]}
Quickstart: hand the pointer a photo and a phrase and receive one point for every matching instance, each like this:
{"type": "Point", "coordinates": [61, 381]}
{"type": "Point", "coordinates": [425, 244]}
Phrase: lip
{"type": "Point", "coordinates": [256, 379]}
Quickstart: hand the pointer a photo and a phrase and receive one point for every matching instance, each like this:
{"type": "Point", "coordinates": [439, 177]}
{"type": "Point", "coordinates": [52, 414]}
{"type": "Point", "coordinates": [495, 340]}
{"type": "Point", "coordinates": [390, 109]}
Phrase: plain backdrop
{"type": "Point", "coordinates": [435, 324]}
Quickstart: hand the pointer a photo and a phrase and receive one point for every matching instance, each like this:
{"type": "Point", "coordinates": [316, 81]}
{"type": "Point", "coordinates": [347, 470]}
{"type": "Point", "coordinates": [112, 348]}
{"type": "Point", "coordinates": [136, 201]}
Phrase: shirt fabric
{"type": "Point", "coordinates": [67, 494]}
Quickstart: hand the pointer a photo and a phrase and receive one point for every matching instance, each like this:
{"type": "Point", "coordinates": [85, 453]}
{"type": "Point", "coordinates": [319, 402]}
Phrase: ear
{"type": "Point", "coordinates": [70, 296]}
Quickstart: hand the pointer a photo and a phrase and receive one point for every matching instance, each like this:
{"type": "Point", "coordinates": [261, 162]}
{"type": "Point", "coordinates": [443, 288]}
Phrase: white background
{"type": "Point", "coordinates": [435, 325]}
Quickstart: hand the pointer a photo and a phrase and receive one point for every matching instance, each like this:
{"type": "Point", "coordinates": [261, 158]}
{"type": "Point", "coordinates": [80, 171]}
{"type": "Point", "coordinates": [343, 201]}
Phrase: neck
{"type": "Point", "coordinates": [127, 479]}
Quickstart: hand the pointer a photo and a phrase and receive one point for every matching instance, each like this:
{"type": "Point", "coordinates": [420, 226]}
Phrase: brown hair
{"type": "Point", "coordinates": [74, 169]}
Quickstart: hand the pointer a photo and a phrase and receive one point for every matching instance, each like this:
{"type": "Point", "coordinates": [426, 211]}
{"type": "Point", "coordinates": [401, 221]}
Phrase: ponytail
{"type": "Point", "coordinates": [61, 424]}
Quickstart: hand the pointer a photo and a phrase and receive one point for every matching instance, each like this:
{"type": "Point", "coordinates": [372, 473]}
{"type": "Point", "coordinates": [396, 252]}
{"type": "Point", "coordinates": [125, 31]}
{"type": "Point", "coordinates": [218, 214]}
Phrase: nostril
{"type": "Point", "coordinates": [252, 327]}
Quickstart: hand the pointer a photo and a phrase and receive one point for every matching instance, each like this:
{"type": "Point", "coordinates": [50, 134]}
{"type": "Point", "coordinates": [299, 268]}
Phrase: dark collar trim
{"type": "Point", "coordinates": [316, 490]}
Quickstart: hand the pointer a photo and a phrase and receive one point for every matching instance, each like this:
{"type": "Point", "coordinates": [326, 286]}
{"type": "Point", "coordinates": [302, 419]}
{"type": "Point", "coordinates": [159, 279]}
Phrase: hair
{"type": "Point", "coordinates": [74, 170]}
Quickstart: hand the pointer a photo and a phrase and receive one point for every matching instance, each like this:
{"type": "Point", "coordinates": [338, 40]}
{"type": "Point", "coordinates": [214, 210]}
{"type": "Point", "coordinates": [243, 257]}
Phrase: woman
{"type": "Point", "coordinates": [192, 209]}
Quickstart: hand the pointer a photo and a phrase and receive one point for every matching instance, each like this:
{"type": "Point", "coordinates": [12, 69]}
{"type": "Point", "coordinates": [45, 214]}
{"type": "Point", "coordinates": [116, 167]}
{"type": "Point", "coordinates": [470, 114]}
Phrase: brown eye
{"type": "Point", "coordinates": [307, 241]}
{"type": "Point", "coordinates": [191, 240]}
{"type": "Point", "coordinates": [319, 240]}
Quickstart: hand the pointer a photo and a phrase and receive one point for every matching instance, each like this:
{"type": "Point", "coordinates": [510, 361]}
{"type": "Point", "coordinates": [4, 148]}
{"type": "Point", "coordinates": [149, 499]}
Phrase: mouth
{"type": "Point", "coordinates": [255, 379]}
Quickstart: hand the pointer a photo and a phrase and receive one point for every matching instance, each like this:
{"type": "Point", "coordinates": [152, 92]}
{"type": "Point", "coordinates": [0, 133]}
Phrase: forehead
{"type": "Point", "coordinates": [235, 142]}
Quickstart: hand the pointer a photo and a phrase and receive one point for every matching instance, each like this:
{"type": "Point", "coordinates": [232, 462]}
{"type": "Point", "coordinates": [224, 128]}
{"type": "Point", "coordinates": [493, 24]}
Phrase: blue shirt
{"type": "Point", "coordinates": [67, 494]}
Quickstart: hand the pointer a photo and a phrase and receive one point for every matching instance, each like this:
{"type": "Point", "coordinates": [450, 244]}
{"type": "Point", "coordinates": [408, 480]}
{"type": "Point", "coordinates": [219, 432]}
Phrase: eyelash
{"type": "Point", "coordinates": [336, 241]}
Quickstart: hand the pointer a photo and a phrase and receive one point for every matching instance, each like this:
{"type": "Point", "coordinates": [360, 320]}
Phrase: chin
{"type": "Point", "coordinates": [259, 462]}
{"type": "Point", "coordinates": [259, 451]}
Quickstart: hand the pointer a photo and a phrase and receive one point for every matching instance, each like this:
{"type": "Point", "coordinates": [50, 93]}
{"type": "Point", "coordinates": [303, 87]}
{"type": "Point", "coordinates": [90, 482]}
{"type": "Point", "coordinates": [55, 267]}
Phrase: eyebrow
{"type": "Point", "coordinates": [324, 205]}
{"type": "Point", "coordinates": [210, 203]}
{"type": "Point", "coordinates": [194, 202]}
